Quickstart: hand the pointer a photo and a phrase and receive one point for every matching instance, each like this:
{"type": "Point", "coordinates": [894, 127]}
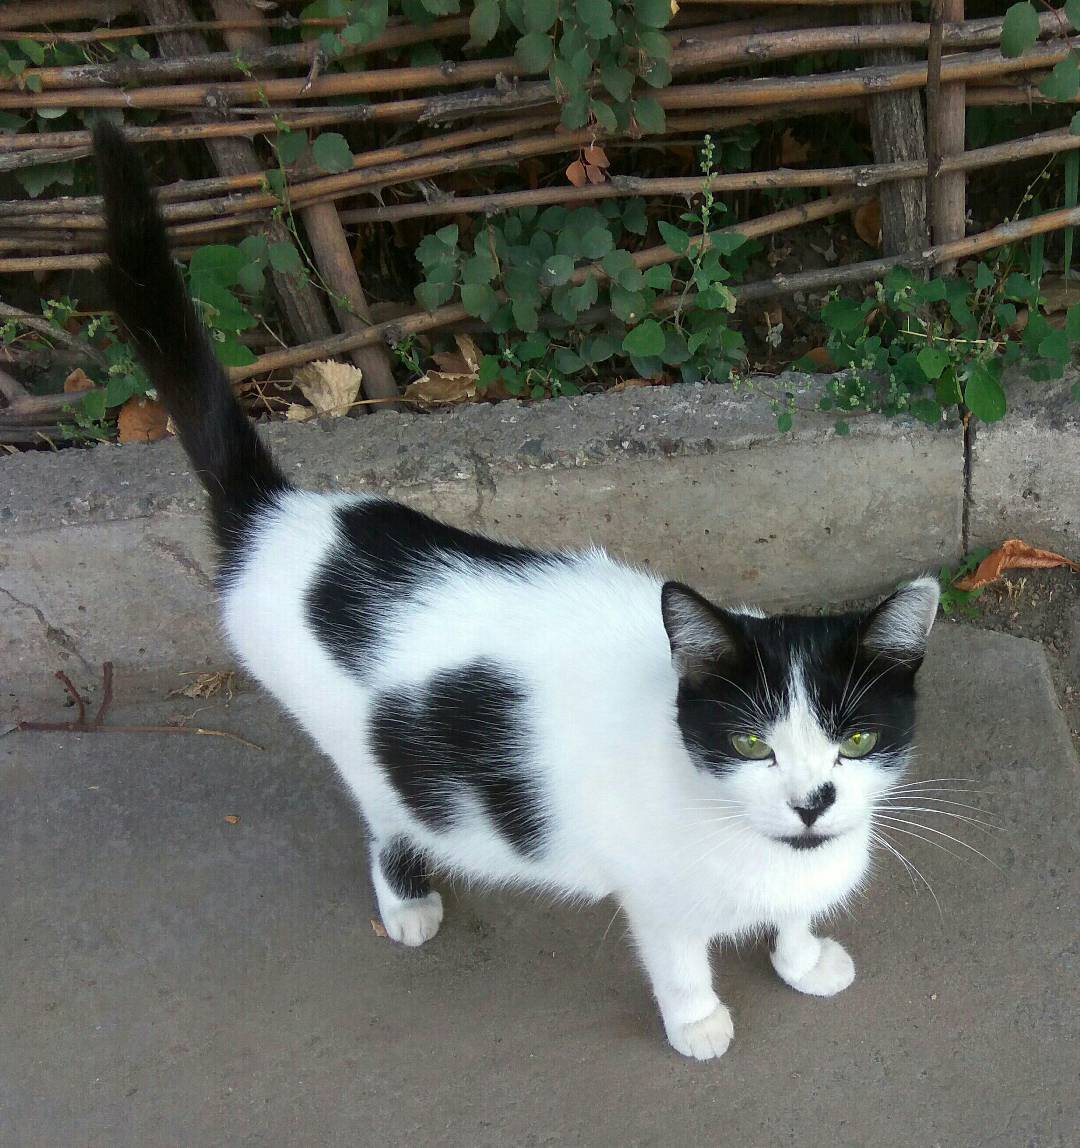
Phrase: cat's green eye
{"type": "Point", "coordinates": [858, 744]}
{"type": "Point", "coordinates": [751, 746]}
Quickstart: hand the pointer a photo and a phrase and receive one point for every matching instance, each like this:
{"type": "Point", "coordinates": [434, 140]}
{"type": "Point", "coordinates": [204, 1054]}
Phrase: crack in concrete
{"type": "Point", "coordinates": [969, 469]}
{"type": "Point", "coordinates": [175, 551]}
{"type": "Point", "coordinates": [54, 634]}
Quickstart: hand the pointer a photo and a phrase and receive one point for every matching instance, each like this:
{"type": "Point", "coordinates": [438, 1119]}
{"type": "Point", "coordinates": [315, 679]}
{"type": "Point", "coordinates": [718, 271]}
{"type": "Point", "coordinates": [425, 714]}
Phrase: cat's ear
{"type": "Point", "coordinates": [700, 633]}
{"type": "Point", "coordinates": [899, 627]}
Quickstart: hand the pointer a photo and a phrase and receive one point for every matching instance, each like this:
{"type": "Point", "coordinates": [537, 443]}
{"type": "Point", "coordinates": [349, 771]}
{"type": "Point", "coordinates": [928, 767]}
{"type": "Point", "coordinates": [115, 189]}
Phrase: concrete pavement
{"type": "Point", "coordinates": [172, 979]}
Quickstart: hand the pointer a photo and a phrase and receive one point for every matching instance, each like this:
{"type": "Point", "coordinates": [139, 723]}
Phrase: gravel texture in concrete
{"type": "Point", "coordinates": [174, 978]}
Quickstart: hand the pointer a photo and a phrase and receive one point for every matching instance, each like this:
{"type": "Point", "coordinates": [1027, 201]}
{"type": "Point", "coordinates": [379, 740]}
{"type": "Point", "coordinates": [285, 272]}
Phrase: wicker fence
{"type": "Point", "coordinates": [914, 79]}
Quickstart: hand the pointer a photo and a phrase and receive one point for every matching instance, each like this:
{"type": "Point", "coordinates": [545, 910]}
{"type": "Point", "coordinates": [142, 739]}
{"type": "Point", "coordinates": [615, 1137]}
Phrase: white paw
{"type": "Point", "coordinates": [833, 971]}
{"type": "Point", "coordinates": [704, 1039]}
{"type": "Point", "coordinates": [413, 922]}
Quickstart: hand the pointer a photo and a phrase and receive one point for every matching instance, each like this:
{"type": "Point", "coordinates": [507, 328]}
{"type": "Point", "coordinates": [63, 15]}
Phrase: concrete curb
{"type": "Point", "coordinates": [1025, 470]}
{"type": "Point", "coordinates": [105, 555]}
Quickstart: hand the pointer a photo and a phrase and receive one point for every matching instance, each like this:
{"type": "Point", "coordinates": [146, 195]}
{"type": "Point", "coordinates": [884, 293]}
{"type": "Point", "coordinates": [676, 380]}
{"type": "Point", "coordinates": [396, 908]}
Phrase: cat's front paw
{"type": "Point", "coordinates": [413, 922]}
{"type": "Point", "coordinates": [704, 1039]}
{"type": "Point", "coordinates": [830, 974]}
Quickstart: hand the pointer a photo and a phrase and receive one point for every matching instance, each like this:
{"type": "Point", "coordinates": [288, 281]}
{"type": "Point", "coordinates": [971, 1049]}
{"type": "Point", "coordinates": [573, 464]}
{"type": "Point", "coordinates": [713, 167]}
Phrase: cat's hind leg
{"type": "Point", "coordinates": [411, 912]}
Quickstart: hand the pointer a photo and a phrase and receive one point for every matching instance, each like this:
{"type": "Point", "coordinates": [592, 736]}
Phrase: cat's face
{"type": "Point", "coordinates": [799, 723]}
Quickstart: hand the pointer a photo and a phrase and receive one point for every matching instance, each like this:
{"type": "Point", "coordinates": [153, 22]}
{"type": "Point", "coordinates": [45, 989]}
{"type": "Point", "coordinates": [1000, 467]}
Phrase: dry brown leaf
{"type": "Point", "coordinates": [867, 221]}
{"type": "Point", "coordinates": [465, 361]}
{"type": "Point", "coordinates": [298, 413]}
{"type": "Point", "coordinates": [207, 685]}
{"type": "Point", "coordinates": [819, 356]}
{"type": "Point", "coordinates": [596, 156]}
{"type": "Point", "coordinates": [78, 380]}
{"type": "Point", "coordinates": [438, 388]}
{"type": "Point", "coordinates": [575, 173]}
{"type": "Point", "coordinates": [1014, 554]}
{"type": "Point", "coordinates": [378, 928]}
{"type": "Point", "coordinates": [330, 387]}
{"type": "Point", "coordinates": [626, 384]}
{"type": "Point", "coordinates": [594, 174]}
{"type": "Point", "coordinates": [1058, 293]}
{"type": "Point", "coordinates": [232, 819]}
{"type": "Point", "coordinates": [792, 150]}
{"type": "Point", "coordinates": [142, 420]}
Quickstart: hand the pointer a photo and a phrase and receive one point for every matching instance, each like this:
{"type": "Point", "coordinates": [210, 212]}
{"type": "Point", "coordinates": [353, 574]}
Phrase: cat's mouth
{"type": "Point", "coordinates": [807, 840]}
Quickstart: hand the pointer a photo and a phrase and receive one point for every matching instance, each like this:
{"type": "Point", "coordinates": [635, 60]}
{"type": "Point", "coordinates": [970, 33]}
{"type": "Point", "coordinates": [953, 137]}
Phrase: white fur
{"type": "Point", "coordinates": [630, 815]}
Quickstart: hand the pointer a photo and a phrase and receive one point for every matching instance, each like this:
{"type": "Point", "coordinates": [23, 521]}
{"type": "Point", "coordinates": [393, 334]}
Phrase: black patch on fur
{"type": "Point", "coordinates": [849, 687]}
{"type": "Point", "coordinates": [807, 841]}
{"type": "Point", "coordinates": [461, 733]}
{"type": "Point", "coordinates": [404, 869]}
{"type": "Point", "coordinates": [816, 803]}
{"type": "Point", "coordinates": [384, 552]}
{"type": "Point", "coordinates": [150, 297]}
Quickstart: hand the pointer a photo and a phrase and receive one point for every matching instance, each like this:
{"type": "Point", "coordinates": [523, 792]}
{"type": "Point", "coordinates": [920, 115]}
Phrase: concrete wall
{"type": "Point", "coordinates": [104, 554]}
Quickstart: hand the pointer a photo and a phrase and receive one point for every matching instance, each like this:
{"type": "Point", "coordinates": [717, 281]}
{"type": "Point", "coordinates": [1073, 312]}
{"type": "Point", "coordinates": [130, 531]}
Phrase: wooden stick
{"type": "Point", "coordinates": [950, 187]}
{"type": "Point", "coordinates": [14, 15]}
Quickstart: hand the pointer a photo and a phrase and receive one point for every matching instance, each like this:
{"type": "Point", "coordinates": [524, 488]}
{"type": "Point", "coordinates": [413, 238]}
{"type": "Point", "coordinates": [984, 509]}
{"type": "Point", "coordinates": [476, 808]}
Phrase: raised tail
{"type": "Point", "coordinates": [150, 297]}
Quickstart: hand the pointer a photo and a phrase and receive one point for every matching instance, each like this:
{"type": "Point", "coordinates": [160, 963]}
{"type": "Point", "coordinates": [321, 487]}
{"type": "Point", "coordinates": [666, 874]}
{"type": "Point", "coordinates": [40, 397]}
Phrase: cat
{"type": "Point", "coordinates": [554, 720]}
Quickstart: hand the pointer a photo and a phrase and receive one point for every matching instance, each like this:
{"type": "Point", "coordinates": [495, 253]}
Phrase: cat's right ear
{"type": "Point", "coordinates": [700, 633]}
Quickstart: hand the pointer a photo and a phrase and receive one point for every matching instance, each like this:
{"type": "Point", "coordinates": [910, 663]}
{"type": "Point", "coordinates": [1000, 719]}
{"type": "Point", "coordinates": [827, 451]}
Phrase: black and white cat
{"type": "Point", "coordinates": [556, 720]}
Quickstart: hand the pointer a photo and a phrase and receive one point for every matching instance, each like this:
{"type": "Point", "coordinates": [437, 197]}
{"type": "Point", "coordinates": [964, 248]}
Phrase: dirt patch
{"type": "Point", "coordinates": [1043, 605]}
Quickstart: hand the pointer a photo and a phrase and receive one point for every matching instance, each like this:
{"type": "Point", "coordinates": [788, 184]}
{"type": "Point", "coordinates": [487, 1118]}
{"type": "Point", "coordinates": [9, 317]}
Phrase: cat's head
{"type": "Point", "coordinates": [801, 723]}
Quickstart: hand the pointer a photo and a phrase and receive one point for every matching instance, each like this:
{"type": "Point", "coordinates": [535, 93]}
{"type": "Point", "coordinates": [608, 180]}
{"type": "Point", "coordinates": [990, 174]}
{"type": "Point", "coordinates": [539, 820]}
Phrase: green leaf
{"type": "Point", "coordinates": [657, 74]}
{"type": "Point", "coordinates": [604, 116]}
{"type": "Point", "coordinates": [119, 389]}
{"type": "Point", "coordinates": [1072, 323]}
{"type": "Point", "coordinates": [285, 258]}
{"type": "Point", "coordinates": [1072, 12]}
{"type": "Point", "coordinates": [616, 263]}
{"type": "Point", "coordinates": [653, 13]}
{"type": "Point", "coordinates": [596, 242]}
{"type": "Point", "coordinates": [533, 51]}
{"type": "Point", "coordinates": [9, 122]}
{"type": "Point", "coordinates": [947, 392]}
{"type": "Point", "coordinates": [1074, 124]}
{"type": "Point", "coordinates": [533, 348]}
{"type": "Point", "coordinates": [34, 50]}
{"type": "Point", "coordinates": [291, 145]}
{"type": "Point", "coordinates": [556, 270]}
{"type": "Point", "coordinates": [1063, 83]}
{"type": "Point", "coordinates": [784, 421]}
{"type": "Point", "coordinates": [483, 23]}
{"type": "Point", "coordinates": [984, 278]}
{"type": "Point", "coordinates": [649, 115]}
{"type": "Point", "coordinates": [432, 251]}
{"type": "Point", "coordinates": [431, 295]}
{"type": "Point", "coordinates": [332, 153]}
{"type": "Point", "coordinates": [618, 81]}
{"type": "Point", "coordinates": [984, 395]}
{"type": "Point", "coordinates": [552, 219]}
{"type": "Point", "coordinates": [677, 239]}
{"type": "Point", "coordinates": [629, 306]}
{"type": "Point", "coordinates": [1020, 30]}
{"type": "Point", "coordinates": [221, 308]}
{"type": "Point", "coordinates": [525, 315]}
{"type": "Point", "coordinates": [646, 339]}
{"type": "Point", "coordinates": [233, 353]}
{"type": "Point", "coordinates": [676, 351]}
{"type": "Point", "coordinates": [927, 411]}
{"type": "Point", "coordinates": [35, 179]}
{"type": "Point", "coordinates": [596, 16]}
{"type": "Point", "coordinates": [933, 362]}
{"type": "Point", "coordinates": [654, 43]}
{"type": "Point", "coordinates": [251, 278]}
{"type": "Point", "coordinates": [479, 300]}
{"type": "Point", "coordinates": [93, 405]}
{"type": "Point", "coordinates": [598, 348]}
{"type": "Point", "coordinates": [478, 269]}
{"type": "Point", "coordinates": [725, 242]}
{"type": "Point", "coordinates": [540, 15]}
{"type": "Point", "coordinates": [219, 262]}
{"type": "Point", "coordinates": [1055, 346]}
{"type": "Point", "coordinates": [842, 428]}
{"type": "Point", "coordinates": [634, 218]}
{"type": "Point", "coordinates": [569, 362]}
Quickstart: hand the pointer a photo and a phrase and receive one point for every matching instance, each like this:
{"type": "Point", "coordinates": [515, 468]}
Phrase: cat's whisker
{"type": "Point", "coordinates": [945, 801]}
{"type": "Point", "coordinates": [941, 833]}
{"type": "Point", "coordinates": [985, 825]}
{"type": "Point", "coordinates": [911, 867]}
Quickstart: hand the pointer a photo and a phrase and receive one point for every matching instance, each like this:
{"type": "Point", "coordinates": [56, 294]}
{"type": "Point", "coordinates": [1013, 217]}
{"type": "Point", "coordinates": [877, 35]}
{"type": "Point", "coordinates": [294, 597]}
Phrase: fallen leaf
{"type": "Point", "coordinates": [867, 221]}
{"type": "Point", "coordinates": [626, 384]}
{"type": "Point", "coordinates": [330, 387]}
{"type": "Point", "coordinates": [595, 174]}
{"type": "Point", "coordinates": [378, 929]}
{"type": "Point", "coordinates": [819, 356]}
{"type": "Point", "coordinates": [1012, 555]}
{"type": "Point", "coordinates": [792, 150]}
{"type": "Point", "coordinates": [142, 420]}
{"type": "Point", "coordinates": [464, 362]}
{"type": "Point", "coordinates": [438, 388]}
{"type": "Point", "coordinates": [596, 156]}
{"type": "Point", "coordinates": [298, 413]}
{"type": "Point", "coordinates": [575, 173]}
{"type": "Point", "coordinates": [78, 380]}
{"type": "Point", "coordinates": [232, 819]}
{"type": "Point", "coordinates": [207, 685]}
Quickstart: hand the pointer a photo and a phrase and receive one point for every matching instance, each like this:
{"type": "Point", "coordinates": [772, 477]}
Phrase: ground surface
{"type": "Point", "coordinates": [171, 978]}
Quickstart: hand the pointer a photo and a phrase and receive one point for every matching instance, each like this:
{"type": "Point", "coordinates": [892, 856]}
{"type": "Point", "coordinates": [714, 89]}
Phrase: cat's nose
{"type": "Point", "coordinates": [816, 803]}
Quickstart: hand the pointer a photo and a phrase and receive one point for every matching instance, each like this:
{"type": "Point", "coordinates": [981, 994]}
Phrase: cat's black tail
{"type": "Point", "coordinates": [149, 296]}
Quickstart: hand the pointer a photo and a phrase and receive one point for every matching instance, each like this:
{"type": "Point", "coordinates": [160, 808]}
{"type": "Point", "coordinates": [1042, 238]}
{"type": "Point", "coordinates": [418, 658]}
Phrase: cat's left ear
{"type": "Point", "coordinates": [700, 633]}
{"type": "Point", "coordinates": [899, 627]}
